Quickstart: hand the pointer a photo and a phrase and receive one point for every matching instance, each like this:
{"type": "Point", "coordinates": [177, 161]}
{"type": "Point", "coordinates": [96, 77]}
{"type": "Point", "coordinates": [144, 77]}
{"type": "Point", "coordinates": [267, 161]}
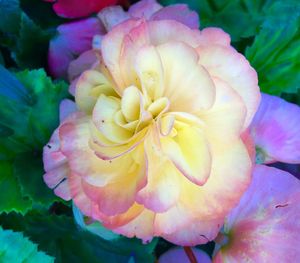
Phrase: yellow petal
{"type": "Point", "coordinates": [88, 88]}
{"type": "Point", "coordinates": [103, 117]}
{"type": "Point", "coordinates": [187, 85]}
{"type": "Point", "coordinates": [163, 188]}
{"type": "Point", "coordinates": [130, 103]}
{"type": "Point", "coordinates": [149, 68]}
{"type": "Point", "coordinates": [190, 153]}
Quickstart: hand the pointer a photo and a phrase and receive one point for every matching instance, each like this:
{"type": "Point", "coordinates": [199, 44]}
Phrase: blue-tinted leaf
{"type": "Point", "coordinates": [14, 247]}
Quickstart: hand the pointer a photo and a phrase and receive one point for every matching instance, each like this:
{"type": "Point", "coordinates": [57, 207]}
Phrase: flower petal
{"type": "Point", "coordinates": [112, 16]}
{"type": "Point", "coordinates": [265, 226]}
{"type": "Point", "coordinates": [66, 107]}
{"type": "Point", "coordinates": [144, 9]}
{"type": "Point", "coordinates": [89, 87]}
{"type": "Point", "coordinates": [228, 65]}
{"type": "Point", "coordinates": [195, 233]}
{"type": "Point", "coordinates": [229, 178]}
{"type": "Point", "coordinates": [162, 189]}
{"type": "Point", "coordinates": [150, 71]}
{"type": "Point", "coordinates": [276, 130]}
{"type": "Point", "coordinates": [189, 152]}
{"type": "Point", "coordinates": [141, 226]}
{"type": "Point", "coordinates": [180, 13]}
{"type": "Point", "coordinates": [214, 36]}
{"type": "Point", "coordinates": [226, 117]}
{"type": "Point", "coordinates": [103, 180]}
{"type": "Point", "coordinates": [84, 62]}
{"type": "Point", "coordinates": [201, 93]}
{"type": "Point", "coordinates": [73, 39]}
{"type": "Point", "coordinates": [79, 8]}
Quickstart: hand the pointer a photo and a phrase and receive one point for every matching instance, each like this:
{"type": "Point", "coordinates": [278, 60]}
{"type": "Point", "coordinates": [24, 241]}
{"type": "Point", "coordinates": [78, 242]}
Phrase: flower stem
{"type": "Point", "coordinates": [189, 252]}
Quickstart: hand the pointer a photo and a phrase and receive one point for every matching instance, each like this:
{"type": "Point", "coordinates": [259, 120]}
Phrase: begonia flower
{"type": "Point", "coordinates": [79, 8]}
{"type": "Point", "coordinates": [74, 39]}
{"type": "Point", "coordinates": [265, 226]}
{"type": "Point", "coordinates": [275, 130]}
{"type": "Point", "coordinates": [156, 147]}
{"type": "Point", "coordinates": [176, 255]}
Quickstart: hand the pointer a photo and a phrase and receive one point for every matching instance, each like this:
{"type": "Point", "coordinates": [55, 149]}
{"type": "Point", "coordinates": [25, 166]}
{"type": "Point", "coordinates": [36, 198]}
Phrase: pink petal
{"type": "Point", "coordinates": [79, 8]}
{"type": "Point", "coordinates": [84, 62]}
{"type": "Point", "coordinates": [180, 13]}
{"type": "Point", "coordinates": [102, 181]}
{"type": "Point", "coordinates": [112, 16]}
{"type": "Point", "coordinates": [56, 167]}
{"type": "Point", "coordinates": [163, 186]}
{"type": "Point", "coordinates": [276, 130]}
{"type": "Point", "coordinates": [66, 108]}
{"type": "Point", "coordinates": [225, 63]}
{"type": "Point", "coordinates": [119, 46]}
{"type": "Point", "coordinates": [214, 35]}
{"type": "Point", "coordinates": [265, 226]}
{"type": "Point", "coordinates": [176, 255]}
{"type": "Point", "coordinates": [144, 9]}
{"type": "Point", "coordinates": [72, 39]}
{"type": "Point", "coordinates": [196, 232]}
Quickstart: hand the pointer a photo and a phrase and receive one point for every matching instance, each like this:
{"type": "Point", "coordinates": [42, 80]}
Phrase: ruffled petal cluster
{"type": "Point", "coordinates": [157, 145]}
{"type": "Point", "coordinates": [74, 39]}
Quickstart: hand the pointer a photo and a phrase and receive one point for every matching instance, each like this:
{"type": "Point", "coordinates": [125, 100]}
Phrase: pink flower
{"type": "Point", "coordinates": [79, 8]}
{"type": "Point", "coordinates": [276, 131]}
{"type": "Point", "coordinates": [155, 148]}
{"type": "Point", "coordinates": [73, 39]}
{"type": "Point", "coordinates": [178, 255]}
{"type": "Point", "coordinates": [265, 226]}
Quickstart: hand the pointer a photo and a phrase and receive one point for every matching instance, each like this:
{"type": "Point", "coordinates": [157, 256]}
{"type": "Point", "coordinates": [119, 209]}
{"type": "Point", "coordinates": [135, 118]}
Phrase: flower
{"type": "Point", "coordinates": [265, 226]}
{"type": "Point", "coordinates": [75, 39]}
{"type": "Point", "coordinates": [79, 8]}
{"type": "Point", "coordinates": [176, 255]}
{"type": "Point", "coordinates": [275, 130]}
{"type": "Point", "coordinates": [72, 40]}
{"type": "Point", "coordinates": [156, 147]}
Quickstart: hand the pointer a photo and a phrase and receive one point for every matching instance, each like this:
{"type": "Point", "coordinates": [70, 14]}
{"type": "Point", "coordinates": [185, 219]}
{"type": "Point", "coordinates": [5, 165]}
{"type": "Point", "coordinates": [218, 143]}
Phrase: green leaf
{"type": "Point", "coordinates": [47, 95]}
{"type": "Point", "coordinates": [27, 42]}
{"type": "Point", "coordinates": [11, 88]}
{"type": "Point", "coordinates": [118, 241]}
{"type": "Point", "coordinates": [10, 196]}
{"type": "Point", "coordinates": [30, 109]}
{"type": "Point", "coordinates": [275, 53]}
{"type": "Point", "coordinates": [28, 169]}
{"type": "Point", "coordinates": [42, 13]}
{"type": "Point", "coordinates": [241, 19]}
{"type": "Point", "coordinates": [1, 59]}
{"type": "Point", "coordinates": [10, 16]}
{"type": "Point", "coordinates": [28, 116]}
{"type": "Point", "coordinates": [60, 237]}
{"type": "Point", "coordinates": [31, 52]}
{"type": "Point", "coordinates": [95, 227]}
{"type": "Point", "coordinates": [14, 247]}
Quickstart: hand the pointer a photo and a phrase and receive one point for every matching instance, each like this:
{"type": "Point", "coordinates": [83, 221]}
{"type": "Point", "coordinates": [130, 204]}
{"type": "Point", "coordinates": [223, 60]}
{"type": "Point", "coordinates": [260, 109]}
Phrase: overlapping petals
{"type": "Point", "coordinates": [75, 39]}
{"type": "Point", "coordinates": [265, 226]}
{"type": "Point", "coordinates": [156, 148]}
{"type": "Point", "coordinates": [72, 39]}
{"type": "Point", "coordinates": [276, 130]}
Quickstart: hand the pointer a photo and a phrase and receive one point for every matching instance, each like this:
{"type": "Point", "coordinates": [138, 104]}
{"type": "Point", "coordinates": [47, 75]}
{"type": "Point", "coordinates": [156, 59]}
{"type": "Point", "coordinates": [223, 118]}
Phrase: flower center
{"type": "Point", "coordinates": [137, 110]}
{"type": "Point", "coordinates": [119, 119]}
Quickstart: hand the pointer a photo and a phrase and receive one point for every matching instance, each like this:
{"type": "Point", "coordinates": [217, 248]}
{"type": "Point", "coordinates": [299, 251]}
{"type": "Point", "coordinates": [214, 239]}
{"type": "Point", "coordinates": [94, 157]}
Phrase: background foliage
{"type": "Point", "coordinates": [36, 225]}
